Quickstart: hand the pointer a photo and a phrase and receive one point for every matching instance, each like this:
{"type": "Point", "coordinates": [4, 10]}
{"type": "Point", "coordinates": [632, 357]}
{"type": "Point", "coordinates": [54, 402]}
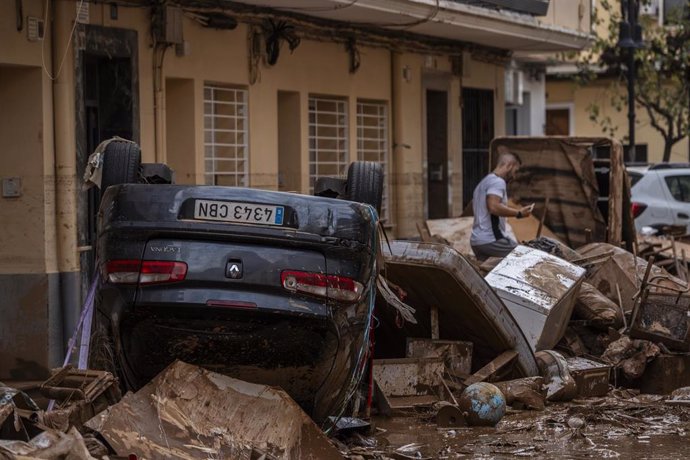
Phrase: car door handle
{"type": "Point", "coordinates": [682, 215]}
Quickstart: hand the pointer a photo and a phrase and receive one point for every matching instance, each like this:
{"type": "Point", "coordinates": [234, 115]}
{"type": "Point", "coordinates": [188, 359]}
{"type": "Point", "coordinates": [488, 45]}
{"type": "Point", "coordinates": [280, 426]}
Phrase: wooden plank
{"type": "Point", "coordinates": [492, 368]}
{"type": "Point", "coordinates": [642, 297]}
{"type": "Point", "coordinates": [675, 257]}
{"type": "Point", "coordinates": [543, 216]}
{"type": "Point", "coordinates": [424, 233]}
{"type": "Point", "coordinates": [411, 402]}
{"type": "Point", "coordinates": [616, 184]}
{"type": "Point", "coordinates": [435, 327]}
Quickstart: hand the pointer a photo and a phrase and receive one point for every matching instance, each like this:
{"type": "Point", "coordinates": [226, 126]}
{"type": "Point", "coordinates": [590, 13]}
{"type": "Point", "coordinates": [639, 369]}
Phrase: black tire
{"type": "Point", "coordinates": [365, 183]}
{"type": "Point", "coordinates": [121, 163]}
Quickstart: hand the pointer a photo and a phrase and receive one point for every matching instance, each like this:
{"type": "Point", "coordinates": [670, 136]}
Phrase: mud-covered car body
{"type": "Point", "coordinates": [283, 300]}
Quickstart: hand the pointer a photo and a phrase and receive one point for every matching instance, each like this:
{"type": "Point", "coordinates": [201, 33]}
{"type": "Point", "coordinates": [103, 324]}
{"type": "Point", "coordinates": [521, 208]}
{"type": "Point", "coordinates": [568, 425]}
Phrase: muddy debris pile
{"type": "Point", "coordinates": [185, 412]}
{"type": "Point", "coordinates": [596, 335]}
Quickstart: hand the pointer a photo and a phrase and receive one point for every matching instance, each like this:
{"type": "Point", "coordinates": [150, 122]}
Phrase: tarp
{"type": "Point", "coordinates": [562, 170]}
{"type": "Point", "coordinates": [585, 192]}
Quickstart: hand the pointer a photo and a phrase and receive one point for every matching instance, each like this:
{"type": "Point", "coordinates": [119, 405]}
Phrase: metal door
{"type": "Point", "coordinates": [437, 153]}
{"type": "Point", "coordinates": [477, 133]}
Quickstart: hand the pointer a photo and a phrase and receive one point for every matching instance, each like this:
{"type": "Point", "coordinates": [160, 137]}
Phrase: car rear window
{"type": "Point", "coordinates": [634, 177]}
{"type": "Point", "coordinates": [679, 186]}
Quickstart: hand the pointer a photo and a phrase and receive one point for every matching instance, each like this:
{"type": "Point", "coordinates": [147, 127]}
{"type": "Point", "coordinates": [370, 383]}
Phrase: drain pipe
{"type": "Point", "coordinates": [159, 102]}
{"type": "Point", "coordinates": [398, 77]}
{"type": "Point", "coordinates": [64, 311]}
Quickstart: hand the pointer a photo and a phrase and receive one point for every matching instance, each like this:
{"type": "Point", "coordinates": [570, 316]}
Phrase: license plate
{"type": "Point", "coordinates": [247, 213]}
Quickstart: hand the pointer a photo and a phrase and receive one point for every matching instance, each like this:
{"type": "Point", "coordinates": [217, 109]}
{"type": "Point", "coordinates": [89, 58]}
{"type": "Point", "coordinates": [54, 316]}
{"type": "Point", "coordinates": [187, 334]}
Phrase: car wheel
{"type": "Point", "coordinates": [365, 183]}
{"type": "Point", "coordinates": [121, 163]}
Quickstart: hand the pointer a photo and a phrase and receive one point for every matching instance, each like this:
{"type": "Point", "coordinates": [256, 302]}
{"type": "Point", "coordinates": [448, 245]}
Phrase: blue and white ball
{"type": "Point", "coordinates": [483, 404]}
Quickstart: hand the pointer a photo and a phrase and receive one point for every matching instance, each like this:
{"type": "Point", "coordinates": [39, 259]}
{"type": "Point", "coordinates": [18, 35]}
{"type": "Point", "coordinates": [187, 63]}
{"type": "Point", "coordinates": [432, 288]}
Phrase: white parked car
{"type": "Point", "coordinates": [660, 194]}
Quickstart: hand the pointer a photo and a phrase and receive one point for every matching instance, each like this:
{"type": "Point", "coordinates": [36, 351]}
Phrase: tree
{"type": "Point", "coordinates": [662, 80]}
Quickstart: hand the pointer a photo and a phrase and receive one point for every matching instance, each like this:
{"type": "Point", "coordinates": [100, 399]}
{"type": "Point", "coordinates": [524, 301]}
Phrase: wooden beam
{"type": "Point", "coordinates": [616, 184]}
{"type": "Point", "coordinates": [543, 216]}
{"type": "Point", "coordinates": [492, 368]}
{"type": "Point", "coordinates": [424, 233]}
{"type": "Point", "coordinates": [435, 327]}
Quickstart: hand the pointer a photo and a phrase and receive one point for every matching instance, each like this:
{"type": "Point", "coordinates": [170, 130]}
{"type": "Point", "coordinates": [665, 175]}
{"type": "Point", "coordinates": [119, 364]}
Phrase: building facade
{"type": "Point", "coordinates": [254, 93]}
{"type": "Point", "coordinates": [568, 103]}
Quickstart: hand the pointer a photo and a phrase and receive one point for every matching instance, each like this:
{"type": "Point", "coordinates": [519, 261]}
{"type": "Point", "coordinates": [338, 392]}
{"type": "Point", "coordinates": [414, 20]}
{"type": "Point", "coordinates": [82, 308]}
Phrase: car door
{"type": "Point", "coordinates": [678, 188]}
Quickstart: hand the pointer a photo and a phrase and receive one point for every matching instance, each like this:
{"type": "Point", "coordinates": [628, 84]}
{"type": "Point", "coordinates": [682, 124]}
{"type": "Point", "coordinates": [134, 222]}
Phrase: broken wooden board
{"type": "Point", "coordinates": [457, 231]}
{"type": "Point", "coordinates": [456, 354]}
{"type": "Point", "coordinates": [188, 412]}
{"type": "Point", "coordinates": [408, 376]}
{"type": "Point", "coordinates": [665, 247]}
{"type": "Point", "coordinates": [408, 382]}
{"type": "Point", "coordinates": [493, 368]}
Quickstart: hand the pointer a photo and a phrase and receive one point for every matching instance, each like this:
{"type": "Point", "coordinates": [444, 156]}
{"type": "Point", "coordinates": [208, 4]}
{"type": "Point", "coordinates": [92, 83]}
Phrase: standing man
{"type": "Point", "coordinates": [490, 205]}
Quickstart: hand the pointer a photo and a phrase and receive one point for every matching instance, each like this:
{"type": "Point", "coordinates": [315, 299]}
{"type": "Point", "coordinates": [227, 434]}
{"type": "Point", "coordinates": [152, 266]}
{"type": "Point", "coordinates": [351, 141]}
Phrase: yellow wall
{"type": "Point", "coordinates": [315, 67]}
{"type": "Point", "coordinates": [570, 14]}
{"type": "Point", "coordinates": [181, 129]}
{"type": "Point", "coordinates": [558, 92]}
{"type": "Point", "coordinates": [22, 248]}
{"type": "Point", "coordinates": [26, 130]}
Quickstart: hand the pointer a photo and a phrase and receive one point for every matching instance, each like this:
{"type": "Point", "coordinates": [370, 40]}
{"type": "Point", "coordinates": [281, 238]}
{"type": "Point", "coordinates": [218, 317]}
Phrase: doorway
{"type": "Point", "coordinates": [477, 133]}
{"type": "Point", "coordinates": [107, 105]}
{"type": "Point", "coordinates": [559, 121]}
{"type": "Point", "coordinates": [437, 153]}
{"type": "Point", "coordinates": [289, 144]}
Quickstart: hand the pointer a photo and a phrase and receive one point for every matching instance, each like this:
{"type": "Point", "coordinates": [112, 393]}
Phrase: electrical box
{"type": "Point", "coordinates": [35, 30]}
{"type": "Point", "coordinates": [169, 25]}
{"type": "Point", "coordinates": [515, 86]}
{"type": "Point", "coordinates": [11, 187]}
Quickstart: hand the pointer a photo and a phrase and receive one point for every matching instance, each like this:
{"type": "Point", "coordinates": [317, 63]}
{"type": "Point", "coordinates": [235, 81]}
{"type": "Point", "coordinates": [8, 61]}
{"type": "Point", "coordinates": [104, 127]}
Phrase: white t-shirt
{"type": "Point", "coordinates": [488, 228]}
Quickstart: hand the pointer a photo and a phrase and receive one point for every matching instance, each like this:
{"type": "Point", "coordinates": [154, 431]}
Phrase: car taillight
{"type": "Point", "coordinates": [333, 287]}
{"type": "Point", "coordinates": [145, 272]}
{"type": "Point", "coordinates": [637, 209]}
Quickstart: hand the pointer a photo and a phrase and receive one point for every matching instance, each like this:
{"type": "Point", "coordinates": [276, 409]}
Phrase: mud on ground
{"type": "Point", "coordinates": [620, 425]}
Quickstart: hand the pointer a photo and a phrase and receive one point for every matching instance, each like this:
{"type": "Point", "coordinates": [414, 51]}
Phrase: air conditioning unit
{"type": "Point", "coordinates": [515, 85]}
{"type": "Point", "coordinates": [167, 25]}
{"type": "Point", "coordinates": [650, 8]}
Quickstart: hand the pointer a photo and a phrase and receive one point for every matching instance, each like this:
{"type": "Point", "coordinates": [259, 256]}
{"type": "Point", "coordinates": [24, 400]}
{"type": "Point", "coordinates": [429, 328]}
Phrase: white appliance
{"type": "Point", "coordinates": [540, 291]}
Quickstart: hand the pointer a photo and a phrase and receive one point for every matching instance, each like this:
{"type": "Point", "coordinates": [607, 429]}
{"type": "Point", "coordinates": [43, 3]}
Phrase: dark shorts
{"type": "Point", "coordinates": [499, 248]}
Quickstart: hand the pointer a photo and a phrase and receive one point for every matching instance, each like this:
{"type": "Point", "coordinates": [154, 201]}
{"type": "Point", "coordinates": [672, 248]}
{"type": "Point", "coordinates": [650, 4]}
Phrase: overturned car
{"type": "Point", "coordinates": [269, 287]}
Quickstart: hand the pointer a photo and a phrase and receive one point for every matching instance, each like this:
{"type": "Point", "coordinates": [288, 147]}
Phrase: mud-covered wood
{"type": "Point", "coordinates": [493, 368]}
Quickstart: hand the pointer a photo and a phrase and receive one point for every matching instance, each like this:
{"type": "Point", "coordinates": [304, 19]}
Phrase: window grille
{"type": "Point", "coordinates": [372, 142]}
{"type": "Point", "coordinates": [328, 144]}
{"type": "Point", "coordinates": [226, 137]}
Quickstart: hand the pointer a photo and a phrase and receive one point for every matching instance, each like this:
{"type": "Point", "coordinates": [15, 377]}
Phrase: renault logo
{"type": "Point", "coordinates": [233, 269]}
